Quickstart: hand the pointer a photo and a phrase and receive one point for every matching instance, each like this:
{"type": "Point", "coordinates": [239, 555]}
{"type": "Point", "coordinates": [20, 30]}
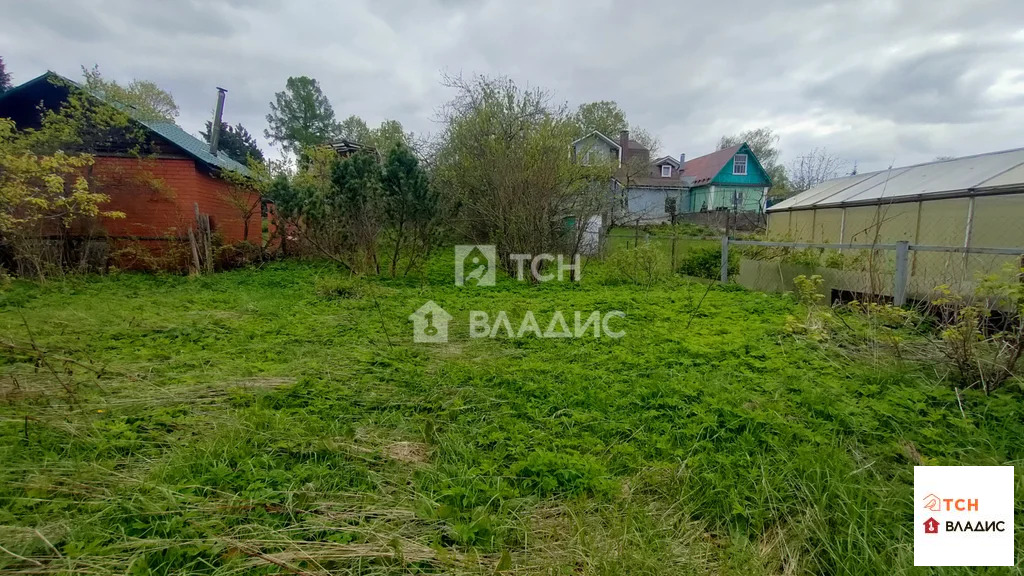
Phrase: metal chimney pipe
{"type": "Point", "coordinates": [217, 120]}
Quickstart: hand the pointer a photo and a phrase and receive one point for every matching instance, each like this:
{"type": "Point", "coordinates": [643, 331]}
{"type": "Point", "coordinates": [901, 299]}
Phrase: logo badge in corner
{"type": "Point", "coordinates": [963, 515]}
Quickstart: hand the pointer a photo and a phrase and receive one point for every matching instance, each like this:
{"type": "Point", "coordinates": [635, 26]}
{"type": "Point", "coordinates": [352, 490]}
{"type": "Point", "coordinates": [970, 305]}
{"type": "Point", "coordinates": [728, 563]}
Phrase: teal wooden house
{"type": "Point", "coordinates": [729, 179]}
{"type": "Point", "coordinates": [658, 190]}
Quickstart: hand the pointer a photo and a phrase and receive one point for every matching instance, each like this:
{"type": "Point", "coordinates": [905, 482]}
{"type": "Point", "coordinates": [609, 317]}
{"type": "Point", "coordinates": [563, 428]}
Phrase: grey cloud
{"type": "Point", "coordinates": [871, 81]}
{"type": "Point", "coordinates": [51, 17]}
{"type": "Point", "coordinates": [935, 87]}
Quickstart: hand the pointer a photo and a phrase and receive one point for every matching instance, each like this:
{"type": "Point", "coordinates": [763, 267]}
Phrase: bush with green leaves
{"type": "Point", "coordinates": [643, 264]}
{"type": "Point", "coordinates": [336, 287]}
{"type": "Point", "coordinates": [983, 352]}
{"type": "Point", "coordinates": [707, 263]}
{"type": "Point", "coordinates": [817, 319]}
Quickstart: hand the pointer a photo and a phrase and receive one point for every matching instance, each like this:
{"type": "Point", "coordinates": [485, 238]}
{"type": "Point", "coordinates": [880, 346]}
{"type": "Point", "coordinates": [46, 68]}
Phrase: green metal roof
{"type": "Point", "coordinates": [195, 147]}
{"type": "Point", "coordinates": [187, 143]}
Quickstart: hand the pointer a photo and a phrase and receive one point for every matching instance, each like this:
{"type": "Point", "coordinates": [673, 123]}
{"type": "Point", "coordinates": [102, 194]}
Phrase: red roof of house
{"type": "Point", "coordinates": [704, 168]}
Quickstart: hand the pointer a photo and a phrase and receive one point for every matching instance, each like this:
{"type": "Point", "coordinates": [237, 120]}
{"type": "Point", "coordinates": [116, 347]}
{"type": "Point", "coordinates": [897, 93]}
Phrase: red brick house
{"type": "Point", "coordinates": [158, 188]}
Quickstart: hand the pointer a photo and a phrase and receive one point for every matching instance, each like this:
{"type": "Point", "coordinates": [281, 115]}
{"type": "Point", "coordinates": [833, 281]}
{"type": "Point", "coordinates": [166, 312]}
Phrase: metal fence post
{"type": "Point", "coordinates": [725, 258]}
{"type": "Point", "coordinates": [899, 290]}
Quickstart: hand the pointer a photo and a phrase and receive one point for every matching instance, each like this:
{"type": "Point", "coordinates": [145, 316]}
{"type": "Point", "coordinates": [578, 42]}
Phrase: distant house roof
{"type": "Point", "coordinates": [169, 131]}
{"type": "Point", "coordinates": [666, 160]}
{"type": "Point", "coordinates": [343, 146]}
{"type": "Point", "coordinates": [634, 145]}
{"type": "Point", "coordinates": [656, 182]}
{"type": "Point", "coordinates": [989, 173]}
{"type": "Point", "coordinates": [599, 135]}
{"type": "Point", "coordinates": [703, 169]}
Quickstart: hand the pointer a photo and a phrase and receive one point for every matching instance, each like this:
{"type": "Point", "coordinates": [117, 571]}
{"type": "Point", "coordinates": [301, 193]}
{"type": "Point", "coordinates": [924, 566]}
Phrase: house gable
{"type": "Point", "coordinates": [755, 174]}
{"type": "Point", "coordinates": [596, 148]}
{"type": "Point", "coordinates": [658, 168]}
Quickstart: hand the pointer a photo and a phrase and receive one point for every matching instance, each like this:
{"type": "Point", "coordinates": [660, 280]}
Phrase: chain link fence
{"type": "Point", "coordinates": [901, 273]}
{"type": "Point", "coordinates": [678, 246]}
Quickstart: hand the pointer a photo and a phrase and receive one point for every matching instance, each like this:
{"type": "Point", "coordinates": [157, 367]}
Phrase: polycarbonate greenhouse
{"type": "Point", "coordinates": [974, 201]}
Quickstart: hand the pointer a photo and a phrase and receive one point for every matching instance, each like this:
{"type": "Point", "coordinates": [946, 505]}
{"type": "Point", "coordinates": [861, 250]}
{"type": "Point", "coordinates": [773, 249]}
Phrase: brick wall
{"type": "Point", "coordinates": [157, 196]}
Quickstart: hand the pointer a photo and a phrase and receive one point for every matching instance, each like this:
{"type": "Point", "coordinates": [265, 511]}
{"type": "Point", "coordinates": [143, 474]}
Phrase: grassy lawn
{"type": "Point", "coordinates": [281, 420]}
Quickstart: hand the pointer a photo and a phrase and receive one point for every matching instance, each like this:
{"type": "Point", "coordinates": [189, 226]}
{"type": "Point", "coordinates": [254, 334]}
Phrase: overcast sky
{"type": "Point", "coordinates": [873, 81]}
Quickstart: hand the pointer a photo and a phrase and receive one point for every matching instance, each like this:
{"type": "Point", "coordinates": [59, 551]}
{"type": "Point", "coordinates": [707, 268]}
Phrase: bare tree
{"type": "Point", "coordinates": [813, 168]}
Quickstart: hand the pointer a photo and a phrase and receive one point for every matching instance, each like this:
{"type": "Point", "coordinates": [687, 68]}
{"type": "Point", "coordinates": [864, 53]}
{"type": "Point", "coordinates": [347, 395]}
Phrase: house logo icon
{"type": "Point", "coordinates": [430, 323]}
{"type": "Point", "coordinates": [932, 502]}
{"type": "Point", "coordinates": [931, 526]}
{"type": "Point", "coordinates": [475, 265]}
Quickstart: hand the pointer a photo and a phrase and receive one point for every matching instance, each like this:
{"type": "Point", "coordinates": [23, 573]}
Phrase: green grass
{"type": "Point", "coordinates": [282, 420]}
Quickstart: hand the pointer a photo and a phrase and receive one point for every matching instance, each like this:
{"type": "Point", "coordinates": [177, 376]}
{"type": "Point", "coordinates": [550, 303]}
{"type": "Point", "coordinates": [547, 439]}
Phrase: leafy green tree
{"type": "Point", "coordinates": [5, 77]}
{"type": "Point", "coordinates": [764, 143]}
{"type": "Point", "coordinates": [301, 116]}
{"type": "Point", "coordinates": [356, 198]}
{"type": "Point", "coordinates": [144, 99]}
{"type": "Point", "coordinates": [605, 116]}
{"type": "Point", "coordinates": [409, 205]}
{"type": "Point", "coordinates": [48, 185]}
{"type": "Point", "coordinates": [389, 135]}
{"type": "Point", "coordinates": [312, 208]}
{"type": "Point", "coordinates": [354, 129]}
{"type": "Point", "coordinates": [39, 187]}
{"type": "Point", "coordinates": [236, 142]}
{"type": "Point", "coordinates": [503, 164]}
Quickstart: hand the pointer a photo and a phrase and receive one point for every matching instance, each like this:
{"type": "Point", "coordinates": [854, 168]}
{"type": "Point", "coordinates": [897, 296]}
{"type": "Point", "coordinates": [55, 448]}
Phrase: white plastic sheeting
{"type": "Point", "coordinates": [992, 172]}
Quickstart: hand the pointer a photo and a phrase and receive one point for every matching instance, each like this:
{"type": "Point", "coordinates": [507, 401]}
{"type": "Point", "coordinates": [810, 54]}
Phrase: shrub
{"type": "Point", "coordinates": [238, 255]}
{"type": "Point", "coordinates": [642, 265]}
{"type": "Point", "coordinates": [338, 287]}
{"type": "Point", "coordinates": [981, 353]}
{"type": "Point", "coordinates": [707, 263]}
{"type": "Point", "coordinates": [169, 255]}
{"type": "Point", "coordinates": [816, 322]}
{"type": "Point", "coordinates": [562, 473]}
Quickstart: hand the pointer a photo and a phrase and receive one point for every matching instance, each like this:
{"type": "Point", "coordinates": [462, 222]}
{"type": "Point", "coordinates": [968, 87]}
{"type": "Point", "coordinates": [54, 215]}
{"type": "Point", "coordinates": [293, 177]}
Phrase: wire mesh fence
{"type": "Point", "coordinates": [677, 247]}
{"type": "Point", "coordinates": [901, 273]}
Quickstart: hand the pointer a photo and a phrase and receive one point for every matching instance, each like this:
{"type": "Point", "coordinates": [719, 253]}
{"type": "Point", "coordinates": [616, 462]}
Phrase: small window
{"type": "Point", "coordinates": [670, 205]}
{"type": "Point", "coordinates": [739, 165]}
{"type": "Point", "coordinates": [586, 158]}
{"type": "Point", "coordinates": [666, 170]}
